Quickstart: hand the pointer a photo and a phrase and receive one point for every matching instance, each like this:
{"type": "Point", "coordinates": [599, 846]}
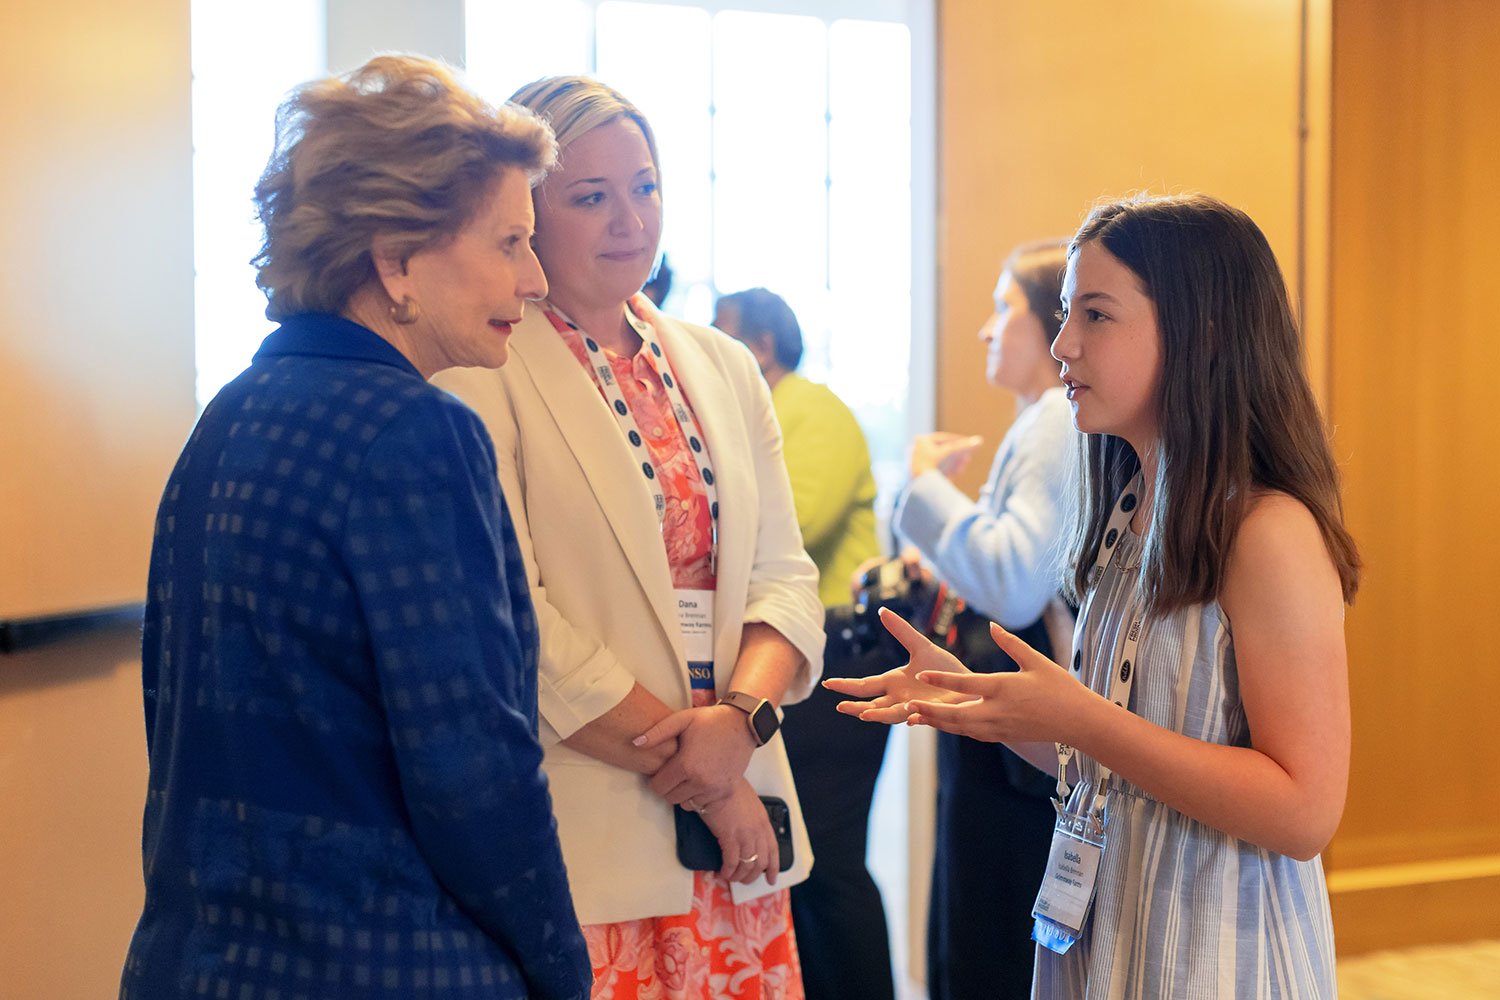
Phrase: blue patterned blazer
{"type": "Point", "coordinates": [339, 658]}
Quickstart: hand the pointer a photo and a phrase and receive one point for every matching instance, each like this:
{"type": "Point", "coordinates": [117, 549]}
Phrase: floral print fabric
{"type": "Point", "coordinates": [745, 952]}
{"type": "Point", "coordinates": [718, 949]}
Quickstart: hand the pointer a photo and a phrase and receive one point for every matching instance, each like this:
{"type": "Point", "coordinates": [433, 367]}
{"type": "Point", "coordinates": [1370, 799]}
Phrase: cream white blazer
{"type": "Point", "coordinates": [605, 604]}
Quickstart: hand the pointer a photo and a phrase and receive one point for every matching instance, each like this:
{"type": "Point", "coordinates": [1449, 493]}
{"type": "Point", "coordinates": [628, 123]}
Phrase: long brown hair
{"type": "Point", "coordinates": [1235, 411]}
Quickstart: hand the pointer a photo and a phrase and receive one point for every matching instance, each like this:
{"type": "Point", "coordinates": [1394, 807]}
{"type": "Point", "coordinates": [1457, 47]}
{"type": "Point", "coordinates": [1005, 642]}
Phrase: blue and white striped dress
{"type": "Point", "coordinates": [1184, 910]}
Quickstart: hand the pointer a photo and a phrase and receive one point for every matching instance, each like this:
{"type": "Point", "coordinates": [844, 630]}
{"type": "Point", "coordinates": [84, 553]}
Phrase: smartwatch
{"type": "Point", "coordinates": [759, 713]}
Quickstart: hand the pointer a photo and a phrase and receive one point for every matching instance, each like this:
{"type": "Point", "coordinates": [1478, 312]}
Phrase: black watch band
{"type": "Point", "coordinates": [759, 713]}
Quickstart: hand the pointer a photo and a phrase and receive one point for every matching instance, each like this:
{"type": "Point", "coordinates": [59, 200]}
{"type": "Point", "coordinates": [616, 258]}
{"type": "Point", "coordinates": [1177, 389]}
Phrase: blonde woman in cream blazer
{"type": "Point", "coordinates": [604, 598]}
{"type": "Point", "coordinates": [613, 665]}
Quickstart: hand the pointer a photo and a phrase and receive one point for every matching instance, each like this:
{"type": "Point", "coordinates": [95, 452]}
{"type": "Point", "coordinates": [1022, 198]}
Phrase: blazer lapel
{"type": "Point", "coordinates": [594, 437]}
{"type": "Point", "coordinates": [716, 405]}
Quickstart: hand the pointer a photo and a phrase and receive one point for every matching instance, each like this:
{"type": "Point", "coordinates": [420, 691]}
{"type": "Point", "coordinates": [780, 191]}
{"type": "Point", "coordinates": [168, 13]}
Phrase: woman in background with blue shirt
{"type": "Point", "coordinates": [1003, 555]}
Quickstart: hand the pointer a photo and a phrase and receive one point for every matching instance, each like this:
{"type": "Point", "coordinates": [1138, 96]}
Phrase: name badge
{"type": "Point", "coordinates": [1067, 891]}
{"type": "Point", "coordinates": [695, 623]}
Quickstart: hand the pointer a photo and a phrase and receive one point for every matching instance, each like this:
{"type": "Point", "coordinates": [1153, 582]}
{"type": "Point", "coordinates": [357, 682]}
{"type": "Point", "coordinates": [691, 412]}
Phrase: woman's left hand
{"type": "Point", "coordinates": [944, 451]}
{"type": "Point", "coordinates": [713, 749]}
{"type": "Point", "coordinates": [745, 836]}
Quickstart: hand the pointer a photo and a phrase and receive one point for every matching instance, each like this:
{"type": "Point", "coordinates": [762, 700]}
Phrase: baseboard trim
{"type": "Point", "coordinates": [1417, 903]}
{"type": "Point", "coordinates": [1413, 873]}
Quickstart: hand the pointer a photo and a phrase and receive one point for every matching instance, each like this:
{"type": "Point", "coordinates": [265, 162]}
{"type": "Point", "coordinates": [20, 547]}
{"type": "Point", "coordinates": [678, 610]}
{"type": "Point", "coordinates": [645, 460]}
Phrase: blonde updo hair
{"type": "Point", "coordinates": [575, 105]}
{"type": "Point", "coordinates": [397, 147]}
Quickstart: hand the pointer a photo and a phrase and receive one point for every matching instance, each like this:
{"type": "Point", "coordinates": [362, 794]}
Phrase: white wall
{"type": "Point", "coordinates": [358, 29]}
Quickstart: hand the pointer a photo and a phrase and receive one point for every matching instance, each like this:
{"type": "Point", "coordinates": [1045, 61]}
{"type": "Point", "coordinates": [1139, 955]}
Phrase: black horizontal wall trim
{"type": "Point", "coordinates": [26, 633]}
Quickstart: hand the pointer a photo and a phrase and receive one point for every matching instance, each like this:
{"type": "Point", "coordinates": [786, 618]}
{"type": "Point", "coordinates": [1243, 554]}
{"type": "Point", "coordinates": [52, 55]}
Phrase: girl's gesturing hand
{"type": "Point", "coordinates": [887, 694]}
{"type": "Point", "coordinates": [1039, 702]}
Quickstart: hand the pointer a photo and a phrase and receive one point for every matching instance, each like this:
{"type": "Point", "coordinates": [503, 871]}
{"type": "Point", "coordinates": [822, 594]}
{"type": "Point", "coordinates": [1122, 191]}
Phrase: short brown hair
{"type": "Point", "coordinates": [760, 312]}
{"type": "Point", "coordinates": [1037, 269]}
{"type": "Point", "coordinates": [396, 147]}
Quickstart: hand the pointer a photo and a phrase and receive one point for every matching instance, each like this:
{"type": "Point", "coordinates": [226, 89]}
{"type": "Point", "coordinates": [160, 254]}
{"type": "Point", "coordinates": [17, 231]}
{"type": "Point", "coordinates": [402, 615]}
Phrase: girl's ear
{"type": "Point", "coordinates": [390, 265]}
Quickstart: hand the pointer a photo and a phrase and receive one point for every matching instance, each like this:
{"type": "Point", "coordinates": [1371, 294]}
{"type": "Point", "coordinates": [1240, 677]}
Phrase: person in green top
{"type": "Point", "coordinates": [826, 456]}
{"type": "Point", "coordinates": [837, 913]}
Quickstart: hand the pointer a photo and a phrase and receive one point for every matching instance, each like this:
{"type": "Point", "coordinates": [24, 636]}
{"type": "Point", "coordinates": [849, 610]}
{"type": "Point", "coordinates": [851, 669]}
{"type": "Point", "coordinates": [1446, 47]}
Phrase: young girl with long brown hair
{"type": "Point", "coordinates": [1201, 732]}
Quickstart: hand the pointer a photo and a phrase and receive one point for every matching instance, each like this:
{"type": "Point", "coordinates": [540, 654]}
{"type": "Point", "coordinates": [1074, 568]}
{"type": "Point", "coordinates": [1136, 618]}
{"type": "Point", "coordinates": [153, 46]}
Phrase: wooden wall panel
{"type": "Point", "coordinates": [73, 787]}
{"type": "Point", "coordinates": [1046, 108]}
{"type": "Point", "coordinates": [96, 295]}
{"type": "Point", "coordinates": [96, 351]}
{"type": "Point", "coordinates": [1415, 257]}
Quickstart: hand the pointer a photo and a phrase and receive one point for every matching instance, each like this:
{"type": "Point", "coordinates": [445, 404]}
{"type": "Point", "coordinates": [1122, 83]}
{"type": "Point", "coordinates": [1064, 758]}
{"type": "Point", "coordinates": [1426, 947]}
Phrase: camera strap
{"type": "Point", "coordinates": [942, 626]}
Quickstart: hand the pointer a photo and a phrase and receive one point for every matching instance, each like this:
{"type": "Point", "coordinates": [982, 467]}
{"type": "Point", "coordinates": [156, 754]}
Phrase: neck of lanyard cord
{"type": "Point", "coordinates": [604, 377]}
{"type": "Point", "coordinates": [1122, 679]}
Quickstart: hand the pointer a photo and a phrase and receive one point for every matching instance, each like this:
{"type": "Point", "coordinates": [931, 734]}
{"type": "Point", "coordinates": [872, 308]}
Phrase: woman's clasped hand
{"type": "Point", "coordinates": [713, 750]}
{"type": "Point", "coordinates": [705, 775]}
{"type": "Point", "coordinates": [740, 824]}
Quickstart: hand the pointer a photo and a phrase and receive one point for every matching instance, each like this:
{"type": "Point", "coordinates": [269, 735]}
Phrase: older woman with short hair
{"type": "Point", "coordinates": [677, 606]}
{"type": "Point", "coordinates": [339, 653]}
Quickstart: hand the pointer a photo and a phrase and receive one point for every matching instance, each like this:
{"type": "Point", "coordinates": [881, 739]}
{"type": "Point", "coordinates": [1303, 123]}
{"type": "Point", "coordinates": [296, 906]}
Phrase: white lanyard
{"type": "Point", "coordinates": [1123, 677]}
{"type": "Point", "coordinates": [604, 377]}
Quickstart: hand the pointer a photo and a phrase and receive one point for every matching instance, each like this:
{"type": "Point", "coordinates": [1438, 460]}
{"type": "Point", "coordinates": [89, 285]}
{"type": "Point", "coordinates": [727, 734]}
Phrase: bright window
{"type": "Point", "coordinates": [786, 145]}
{"type": "Point", "coordinates": [245, 58]}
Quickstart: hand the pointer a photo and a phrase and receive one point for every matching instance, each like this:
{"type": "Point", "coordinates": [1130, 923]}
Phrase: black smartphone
{"type": "Point", "coordinates": [698, 848]}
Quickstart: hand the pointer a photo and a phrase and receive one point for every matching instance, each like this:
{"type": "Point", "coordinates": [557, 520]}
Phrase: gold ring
{"type": "Point", "coordinates": [750, 860]}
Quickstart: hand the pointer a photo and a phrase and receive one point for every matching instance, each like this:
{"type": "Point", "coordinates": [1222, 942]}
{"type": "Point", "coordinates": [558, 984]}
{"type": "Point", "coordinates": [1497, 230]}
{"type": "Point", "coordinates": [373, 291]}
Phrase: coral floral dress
{"type": "Point", "coordinates": [718, 949]}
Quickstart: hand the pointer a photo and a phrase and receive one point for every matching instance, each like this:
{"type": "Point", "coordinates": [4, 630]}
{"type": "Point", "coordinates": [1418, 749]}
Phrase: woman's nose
{"type": "Point", "coordinates": [532, 285]}
{"type": "Point", "coordinates": [625, 221]}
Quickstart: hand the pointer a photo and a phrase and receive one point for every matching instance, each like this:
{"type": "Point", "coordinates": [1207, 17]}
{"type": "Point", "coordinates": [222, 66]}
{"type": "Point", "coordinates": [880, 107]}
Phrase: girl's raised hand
{"type": "Point", "coordinates": [887, 694]}
{"type": "Point", "coordinates": [1040, 702]}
